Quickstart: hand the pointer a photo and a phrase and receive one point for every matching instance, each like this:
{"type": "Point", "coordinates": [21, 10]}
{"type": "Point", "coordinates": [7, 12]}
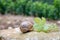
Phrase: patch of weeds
{"type": "Point", "coordinates": [40, 25]}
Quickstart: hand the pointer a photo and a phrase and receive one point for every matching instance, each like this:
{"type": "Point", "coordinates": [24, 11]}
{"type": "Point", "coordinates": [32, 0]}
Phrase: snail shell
{"type": "Point", "coordinates": [26, 26]}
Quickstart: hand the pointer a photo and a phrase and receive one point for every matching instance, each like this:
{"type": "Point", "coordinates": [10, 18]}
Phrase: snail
{"type": "Point", "coordinates": [26, 26]}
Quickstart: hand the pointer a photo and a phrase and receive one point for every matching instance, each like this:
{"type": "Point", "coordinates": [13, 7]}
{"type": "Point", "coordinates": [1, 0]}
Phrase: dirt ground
{"type": "Point", "coordinates": [14, 21]}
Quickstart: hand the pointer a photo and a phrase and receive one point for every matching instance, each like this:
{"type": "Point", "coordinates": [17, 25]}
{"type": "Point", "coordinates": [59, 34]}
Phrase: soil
{"type": "Point", "coordinates": [7, 33]}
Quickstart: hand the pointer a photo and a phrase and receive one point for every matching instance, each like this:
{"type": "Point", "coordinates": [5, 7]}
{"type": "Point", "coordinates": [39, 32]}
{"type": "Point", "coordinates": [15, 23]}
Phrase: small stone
{"type": "Point", "coordinates": [9, 22]}
{"type": "Point", "coordinates": [9, 27]}
{"type": "Point", "coordinates": [58, 22]}
{"type": "Point", "coordinates": [27, 38]}
{"type": "Point", "coordinates": [17, 30]}
{"type": "Point", "coordinates": [34, 38]}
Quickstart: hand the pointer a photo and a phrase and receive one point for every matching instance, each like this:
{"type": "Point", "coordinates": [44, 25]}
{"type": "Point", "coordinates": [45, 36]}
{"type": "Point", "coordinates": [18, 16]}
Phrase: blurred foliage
{"type": "Point", "coordinates": [7, 6]}
{"type": "Point", "coordinates": [57, 5]}
{"type": "Point", "coordinates": [10, 6]}
{"type": "Point", "coordinates": [43, 10]}
{"type": "Point", "coordinates": [27, 9]}
{"type": "Point", "coordinates": [40, 25]}
{"type": "Point", "coordinates": [40, 8]}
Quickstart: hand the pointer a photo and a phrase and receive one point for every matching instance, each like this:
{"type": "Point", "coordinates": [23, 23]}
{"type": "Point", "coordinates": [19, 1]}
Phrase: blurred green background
{"type": "Point", "coordinates": [42, 8]}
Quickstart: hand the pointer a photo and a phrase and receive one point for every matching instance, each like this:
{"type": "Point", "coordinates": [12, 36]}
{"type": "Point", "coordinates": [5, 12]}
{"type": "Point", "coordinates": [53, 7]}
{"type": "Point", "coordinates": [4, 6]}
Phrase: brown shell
{"type": "Point", "coordinates": [26, 26]}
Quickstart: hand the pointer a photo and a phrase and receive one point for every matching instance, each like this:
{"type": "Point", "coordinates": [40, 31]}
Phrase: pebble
{"type": "Point", "coordinates": [58, 22]}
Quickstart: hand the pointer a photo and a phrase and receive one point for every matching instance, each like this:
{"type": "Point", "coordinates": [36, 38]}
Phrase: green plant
{"type": "Point", "coordinates": [31, 7]}
{"type": "Point", "coordinates": [10, 6]}
{"type": "Point", "coordinates": [40, 25]}
{"type": "Point", "coordinates": [2, 6]}
{"type": "Point", "coordinates": [20, 5]}
{"type": "Point", "coordinates": [41, 9]}
{"type": "Point", "coordinates": [27, 9]}
{"type": "Point", "coordinates": [57, 5]}
{"type": "Point", "coordinates": [52, 12]}
{"type": "Point", "coordinates": [7, 6]}
{"type": "Point", "coordinates": [36, 9]}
